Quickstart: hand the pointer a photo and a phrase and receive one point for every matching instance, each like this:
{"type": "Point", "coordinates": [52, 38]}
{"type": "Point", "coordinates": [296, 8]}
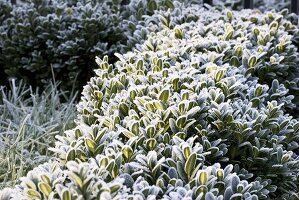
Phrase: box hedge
{"type": "Point", "coordinates": [42, 39]}
{"type": "Point", "coordinates": [200, 110]}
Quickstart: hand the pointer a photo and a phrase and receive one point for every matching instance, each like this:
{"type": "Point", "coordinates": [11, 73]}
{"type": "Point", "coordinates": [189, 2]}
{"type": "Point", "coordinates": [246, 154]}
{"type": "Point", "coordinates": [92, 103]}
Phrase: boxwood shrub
{"type": "Point", "coordinates": [262, 5]}
{"type": "Point", "coordinates": [42, 39]}
{"type": "Point", "coordinates": [264, 40]}
{"type": "Point", "coordinates": [200, 110]}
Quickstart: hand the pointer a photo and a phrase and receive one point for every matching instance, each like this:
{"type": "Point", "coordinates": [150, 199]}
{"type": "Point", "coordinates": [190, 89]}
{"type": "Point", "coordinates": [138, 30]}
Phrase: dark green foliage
{"type": "Point", "coordinates": [41, 37]}
{"type": "Point", "coordinates": [5, 10]}
{"type": "Point", "coordinates": [44, 36]}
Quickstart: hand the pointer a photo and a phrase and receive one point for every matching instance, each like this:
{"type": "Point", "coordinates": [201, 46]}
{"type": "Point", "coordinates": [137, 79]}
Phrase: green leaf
{"type": "Point", "coordinates": [160, 183]}
{"type": "Point", "coordinates": [104, 162]}
{"type": "Point", "coordinates": [166, 138]}
{"type": "Point", "coordinates": [258, 91]}
{"type": "Point", "coordinates": [115, 188]}
{"type": "Point", "coordinates": [180, 122]}
{"type": "Point", "coordinates": [71, 155]}
{"type": "Point", "coordinates": [220, 174]}
{"type": "Point", "coordinates": [190, 164]}
{"type": "Point", "coordinates": [114, 171]}
{"type": "Point", "coordinates": [100, 134]}
{"type": "Point", "coordinates": [165, 73]}
{"type": "Point", "coordinates": [90, 144]}
{"type": "Point", "coordinates": [99, 149]}
{"type": "Point", "coordinates": [46, 179]}
{"type": "Point", "coordinates": [181, 135]}
{"type": "Point", "coordinates": [203, 178]}
{"type": "Point", "coordinates": [158, 105]}
{"type": "Point", "coordinates": [110, 166]}
{"type": "Point", "coordinates": [220, 185]}
{"type": "Point", "coordinates": [229, 15]}
{"type": "Point", "coordinates": [45, 189]}
{"type": "Point", "coordinates": [272, 59]}
{"type": "Point", "coordinates": [33, 193]}
{"type": "Point", "coordinates": [135, 128]}
{"type": "Point", "coordinates": [219, 75]}
{"type": "Point", "coordinates": [75, 178]}
{"type": "Point", "coordinates": [180, 170]}
{"type": "Point", "coordinates": [127, 151]}
{"type": "Point", "coordinates": [150, 44]}
{"type": "Point", "coordinates": [160, 64]}
{"type": "Point", "coordinates": [169, 4]}
{"type": "Point", "coordinates": [150, 107]}
{"type": "Point", "coordinates": [175, 83]}
{"type": "Point", "coordinates": [98, 95]}
{"type": "Point", "coordinates": [187, 151]}
{"type": "Point", "coordinates": [211, 68]}
{"type": "Point", "coordinates": [255, 151]}
{"type": "Point", "coordinates": [66, 195]}
{"type": "Point", "coordinates": [285, 158]}
{"type": "Point", "coordinates": [133, 94]}
{"type": "Point", "coordinates": [256, 31]}
{"type": "Point", "coordinates": [294, 197]}
{"type": "Point", "coordinates": [152, 5]}
{"type": "Point", "coordinates": [234, 61]}
{"type": "Point", "coordinates": [128, 134]}
{"type": "Point", "coordinates": [185, 96]}
{"type": "Point", "coordinates": [124, 109]}
{"type": "Point", "coordinates": [178, 33]}
{"type": "Point", "coordinates": [164, 95]}
{"type": "Point", "coordinates": [253, 19]}
{"type": "Point", "coordinates": [105, 59]}
{"type": "Point", "coordinates": [150, 131]}
{"type": "Point", "coordinates": [78, 133]}
{"type": "Point", "coordinates": [182, 107]}
{"type": "Point", "coordinates": [229, 35]}
{"type": "Point", "coordinates": [140, 65]}
{"type": "Point", "coordinates": [201, 189]}
{"type": "Point", "coordinates": [172, 125]}
{"type": "Point", "coordinates": [139, 13]}
{"type": "Point", "coordinates": [238, 51]}
{"type": "Point", "coordinates": [151, 143]}
{"type": "Point", "coordinates": [274, 24]}
{"type": "Point", "coordinates": [252, 61]}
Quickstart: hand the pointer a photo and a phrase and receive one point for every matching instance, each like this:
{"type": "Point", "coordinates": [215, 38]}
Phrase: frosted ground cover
{"type": "Point", "coordinates": [203, 108]}
{"type": "Point", "coordinates": [199, 110]}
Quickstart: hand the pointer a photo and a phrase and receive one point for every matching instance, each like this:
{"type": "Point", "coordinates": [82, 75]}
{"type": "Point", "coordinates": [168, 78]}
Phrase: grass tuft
{"type": "Point", "coordinates": [29, 120]}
